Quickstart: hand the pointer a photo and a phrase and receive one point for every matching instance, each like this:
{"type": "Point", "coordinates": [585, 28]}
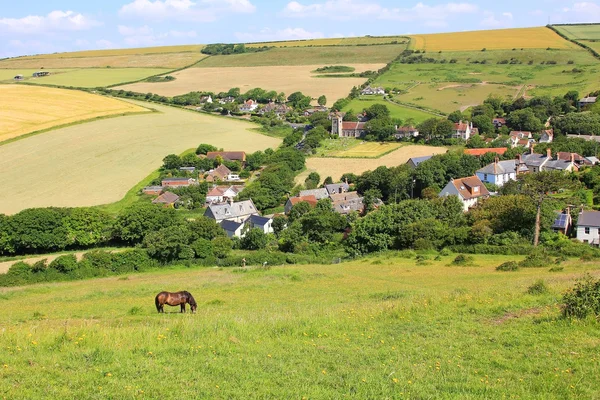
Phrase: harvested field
{"type": "Point", "coordinates": [98, 162]}
{"type": "Point", "coordinates": [346, 41]}
{"type": "Point", "coordinates": [287, 79]}
{"type": "Point", "coordinates": [26, 109]}
{"type": "Point", "coordinates": [187, 48]}
{"type": "Point", "coordinates": [96, 77]}
{"type": "Point", "coordinates": [365, 150]}
{"type": "Point", "coordinates": [158, 60]}
{"type": "Point", "coordinates": [527, 38]}
{"type": "Point", "coordinates": [336, 167]}
{"type": "Point", "coordinates": [321, 56]}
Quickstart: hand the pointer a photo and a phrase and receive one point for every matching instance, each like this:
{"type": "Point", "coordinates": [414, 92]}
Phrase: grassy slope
{"type": "Point", "coordinates": [97, 77]}
{"type": "Point", "coordinates": [578, 32]}
{"type": "Point", "coordinates": [383, 328]}
{"type": "Point", "coordinates": [403, 113]}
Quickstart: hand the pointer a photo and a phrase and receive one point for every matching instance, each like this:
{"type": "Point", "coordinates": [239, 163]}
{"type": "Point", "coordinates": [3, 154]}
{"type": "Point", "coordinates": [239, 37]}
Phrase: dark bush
{"type": "Point", "coordinates": [508, 266]}
{"type": "Point", "coordinates": [583, 299]}
{"type": "Point", "coordinates": [64, 264]}
{"type": "Point", "coordinates": [539, 287]}
{"type": "Point", "coordinates": [536, 260]}
{"type": "Point", "coordinates": [463, 260]}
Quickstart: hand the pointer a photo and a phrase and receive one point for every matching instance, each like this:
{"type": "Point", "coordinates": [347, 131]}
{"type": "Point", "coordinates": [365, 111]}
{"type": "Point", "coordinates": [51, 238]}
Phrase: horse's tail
{"type": "Point", "coordinates": [157, 303]}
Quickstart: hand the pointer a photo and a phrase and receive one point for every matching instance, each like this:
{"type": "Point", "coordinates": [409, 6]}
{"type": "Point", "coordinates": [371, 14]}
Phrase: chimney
{"type": "Point", "coordinates": [230, 201]}
{"type": "Point", "coordinates": [497, 160]}
{"type": "Point", "coordinates": [549, 153]}
{"type": "Point", "coordinates": [531, 150]}
{"type": "Point", "coordinates": [572, 158]}
{"type": "Point", "coordinates": [520, 159]}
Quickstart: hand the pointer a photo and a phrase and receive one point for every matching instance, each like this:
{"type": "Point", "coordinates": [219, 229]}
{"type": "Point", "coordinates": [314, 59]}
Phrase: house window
{"type": "Point", "coordinates": [485, 177]}
{"type": "Point", "coordinates": [587, 230]}
{"type": "Point", "coordinates": [476, 189]}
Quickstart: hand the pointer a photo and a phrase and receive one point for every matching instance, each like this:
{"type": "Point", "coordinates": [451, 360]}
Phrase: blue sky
{"type": "Point", "coordinates": [32, 27]}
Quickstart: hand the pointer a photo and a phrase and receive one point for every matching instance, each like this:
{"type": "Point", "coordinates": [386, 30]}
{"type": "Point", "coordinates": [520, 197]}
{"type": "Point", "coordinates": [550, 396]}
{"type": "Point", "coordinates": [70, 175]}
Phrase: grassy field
{"type": "Point", "coordinates": [98, 162]}
{"type": "Point", "coordinates": [26, 109]}
{"type": "Point", "coordinates": [371, 329]}
{"type": "Point", "coordinates": [352, 148]}
{"type": "Point", "coordinates": [345, 41]}
{"type": "Point", "coordinates": [336, 167]}
{"type": "Point", "coordinates": [287, 79]}
{"type": "Point", "coordinates": [528, 38]}
{"type": "Point", "coordinates": [579, 32]}
{"type": "Point", "coordinates": [159, 60]}
{"type": "Point", "coordinates": [594, 44]}
{"type": "Point", "coordinates": [95, 77]}
{"type": "Point", "coordinates": [309, 56]}
{"type": "Point", "coordinates": [396, 111]}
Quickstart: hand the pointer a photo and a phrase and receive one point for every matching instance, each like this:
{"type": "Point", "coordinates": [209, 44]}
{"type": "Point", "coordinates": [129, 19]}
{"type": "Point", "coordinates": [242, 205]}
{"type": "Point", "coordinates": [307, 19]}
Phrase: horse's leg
{"type": "Point", "coordinates": [182, 307]}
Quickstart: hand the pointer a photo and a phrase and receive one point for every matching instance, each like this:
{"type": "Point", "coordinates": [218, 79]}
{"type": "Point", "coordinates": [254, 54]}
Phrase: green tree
{"type": "Point", "coordinates": [205, 148]}
{"type": "Point", "coordinates": [254, 239]}
{"type": "Point", "coordinates": [456, 116]}
{"type": "Point", "coordinates": [484, 124]}
{"type": "Point", "coordinates": [298, 210]}
{"type": "Point", "coordinates": [279, 224]}
{"type": "Point", "coordinates": [205, 228]}
{"type": "Point", "coordinates": [524, 120]}
{"type": "Point", "coordinates": [203, 248]}
{"type": "Point", "coordinates": [328, 181]}
{"type": "Point", "coordinates": [299, 100]}
{"type": "Point", "coordinates": [139, 219]}
{"type": "Point", "coordinates": [221, 246]}
{"type": "Point", "coordinates": [444, 128]}
{"type": "Point", "coordinates": [88, 227]}
{"type": "Point", "coordinates": [172, 161]}
{"type": "Point", "coordinates": [64, 264]}
{"type": "Point", "coordinates": [39, 230]}
{"type": "Point", "coordinates": [168, 244]}
{"type": "Point", "coordinates": [312, 180]}
{"type": "Point", "coordinates": [377, 111]}
{"type": "Point", "coordinates": [322, 100]}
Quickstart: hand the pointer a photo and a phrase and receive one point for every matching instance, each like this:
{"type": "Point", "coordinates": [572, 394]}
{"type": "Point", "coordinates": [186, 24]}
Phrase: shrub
{"type": "Point", "coordinates": [40, 266]}
{"type": "Point", "coordinates": [463, 260]}
{"type": "Point", "coordinates": [445, 252]}
{"type": "Point", "coordinates": [536, 260]}
{"type": "Point", "coordinates": [64, 264]}
{"type": "Point", "coordinates": [422, 260]}
{"type": "Point", "coordinates": [556, 269]}
{"type": "Point", "coordinates": [221, 246]}
{"type": "Point", "coordinates": [203, 248]}
{"type": "Point", "coordinates": [539, 287]}
{"type": "Point", "coordinates": [583, 299]}
{"type": "Point", "coordinates": [423, 244]}
{"type": "Point", "coordinates": [508, 266]}
{"type": "Point", "coordinates": [20, 268]}
{"type": "Point", "coordinates": [132, 260]}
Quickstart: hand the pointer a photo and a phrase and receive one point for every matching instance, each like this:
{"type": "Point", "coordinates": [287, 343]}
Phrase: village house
{"type": "Point", "coordinates": [414, 162]}
{"type": "Point", "coordinates": [239, 229]}
{"type": "Point", "coordinates": [533, 162]}
{"type": "Point", "coordinates": [406, 132]}
{"type": "Point", "coordinates": [499, 122]}
{"type": "Point", "coordinates": [278, 109]}
{"type": "Point", "coordinates": [369, 91]}
{"type": "Point", "coordinates": [228, 155]}
{"type": "Point", "coordinates": [521, 138]}
{"type": "Point", "coordinates": [336, 188]}
{"type": "Point", "coordinates": [498, 172]}
{"type": "Point", "coordinates": [189, 170]}
{"type": "Point", "coordinates": [219, 194]}
{"type": "Point", "coordinates": [468, 190]}
{"type": "Point", "coordinates": [587, 101]}
{"type": "Point", "coordinates": [577, 159]}
{"type": "Point", "coordinates": [547, 136]}
{"type": "Point", "coordinates": [248, 106]}
{"type": "Point", "coordinates": [319, 194]}
{"type": "Point", "coordinates": [167, 199]}
{"type": "Point", "coordinates": [292, 201]}
{"type": "Point", "coordinates": [179, 182]}
{"type": "Point", "coordinates": [206, 99]}
{"type": "Point", "coordinates": [311, 111]}
{"type": "Point", "coordinates": [588, 227]}
{"type": "Point", "coordinates": [227, 100]}
{"type": "Point", "coordinates": [265, 224]}
{"type": "Point", "coordinates": [563, 222]}
{"type": "Point", "coordinates": [464, 130]}
{"type": "Point", "coordinates": [347, 202]}
{"type": "Point", "coordinates": [233, 228]}
{"type": "Point", "coordinates": [342, 128]}
{"type": "Point", "coordinates": [221, 173]}
{"type": "Point", "coordinates": [152, 190]}
{"type": "Point", "coordinates": [231, 211]}
{"type": "Point", "coordinates": [480, 152]}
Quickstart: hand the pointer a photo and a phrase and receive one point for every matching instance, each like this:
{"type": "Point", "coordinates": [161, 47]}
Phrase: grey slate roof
{"type": "Point", "coordinates": [534, 160]}
{"type": "Point", "coordinates": [593, 160]}
{"type": "Point", "coordinates": [419, 160]}
{"type": "Point", "coordinates": [502, 167]}
{"type": "Point", "coordinates": [258, 220]}
{"type": "Point", "coordinates": [559, 165]}
{"type": "Point", "coordinates": [335, 188]}
{"type": "Point", "coordinates": [231, 226]}
{"type": "Point", "coordinates": [589, 218]}
{"type": "Point", "coordinates": [319, 194]}
{"type": "Point", "coordinates": [561, 221]}
{"type": "Point", "coordinates": [231, 211]}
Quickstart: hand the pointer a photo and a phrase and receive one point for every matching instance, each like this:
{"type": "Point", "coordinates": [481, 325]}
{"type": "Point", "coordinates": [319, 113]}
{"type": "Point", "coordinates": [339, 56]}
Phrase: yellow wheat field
{"type": "Point", "coordinates": [336, 167]}
{"type": "Point", "coordinates": [119, 52]}
{"type": "Point", "coordinates": [26, 109]}
{"type": "Point", "coordinates": [287, 79]}
{"type": "Point", "coordinates": [528, 38]}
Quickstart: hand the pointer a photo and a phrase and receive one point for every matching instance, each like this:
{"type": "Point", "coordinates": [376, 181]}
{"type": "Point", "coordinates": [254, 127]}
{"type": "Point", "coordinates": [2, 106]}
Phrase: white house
{"type": "Point", "coordinates": [233, 228]}
{"type": "Point", "coordinates": [547, 136]}
{"type": "Point", "coordinates": [588, 227]}
{"type": "Point", "coordinates": [238, 212]}
{"type": "Point", "coordinates": [468, 190]}
{"type": "Point", "coordinates": [498, 172]}
{"type": "Point", "coordinates": [463, 130]}
{"type": "Point", "coordinates": [369, 91]}
{"type": "Point", "coordinates": [263, 223]}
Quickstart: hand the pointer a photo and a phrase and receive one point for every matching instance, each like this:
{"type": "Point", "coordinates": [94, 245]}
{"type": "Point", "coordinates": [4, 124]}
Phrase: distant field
{"type": "Point", "coordinates": [95, 77]}
{"type": "Point", "coordinates": [362, 150]}
{"type": "Point", "coordinates": [595, 44]}
{"type": "Point", "coordinates": [347, 41]}
{"type": "Point", "coordinates": [287, 79]}
{"type": "Point", "coordinates": [524, 56]}
{"type": "Point", "coordinates": [529, 38]}
{"type": "Point", "coordinates": [448, 97]}
{"type": "Point", "coordinates": [579, 32]}
{"type": "Point", "coordinates": [396, 111]}
{"type": "Point", "coordinates": [7, 75]}
{"type": "Point", "coordinates": [25, 109]}
{"type": "Point", "coordinates": [98, 162]}
{"type": "Point", "coordinates": [157, 60]}
{"type": "Point", "coordinates": [336, 167]}
{"type": "Point", "coordinates": [382, 54]}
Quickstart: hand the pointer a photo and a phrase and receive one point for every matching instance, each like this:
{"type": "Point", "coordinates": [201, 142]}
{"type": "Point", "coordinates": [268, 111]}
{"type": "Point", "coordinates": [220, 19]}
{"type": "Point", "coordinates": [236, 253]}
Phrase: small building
{"type": "Point", "coordinates": [238, 211]}
{"type": "Point", "coordinates": [563, 222]}
{"type": "Point", "coordinates": [414, 162]}
{"type": "Point", "coordinates": [227, 155]}
{"type": "Point", "coordinates": [588, 227]}
{"type": "Point", "coordinates": [179, 182]}
{"type": "Point", "coordinates": [499, 122]}
{"type": "Point", "coordinates": [580, 161]}
{"type": "Point", "coordinates": [232, 177]}
{"type": "Point", "coordinates": [480, 152]}
{"type": "Point", "coordinates": [248, 106]}
{"type": "Point", "coordinates": [39, 74]}
{"type": "Point", "coordinates": [403, 132]}
{"type": "Point", "coordinates": [336, 188]}
{"type": "Point", "coordinates": [233, 228]}
{"type": "Point", "coordinates": [347, 129]}
{"type": "Point", "coordinates": [278, 109]}
{"type": "Point", "coordinates": [19, 77]}
{"type": "Point", "coordinates": [311, 111]}
{"type": "Point", "coordinates": [468, 190]}
{"type": "Point", "coordinates": [498, 172]}
{"type": "Point", "coordinates": [369, 91]}
{"type": "Point", "coordinates": [218, 174]}
{"type": "Point", "coordinates": [587, 101]}
{"type": "Point", "coordinates": [219, 194]}
{"type": "Point", "coordinates": [189, 170]}
{"type": "Point", "coordinates": [533, 162]}
{"type": "Point", "coordinates": [463, 130]}
{"type": "Point", "coordinates": [547, 136]}
{"type": "Point", "coordinates": [152, 190]}
{"type": "Point", "coordinates": [292, 201]}
{"type": "Point", "coordinates": [265, 224]}
{"type": "Point", "coordinates": [167, 199]}
{"type": "Point", "coordinates": [227, 100]}
{"type": "Point", "coordinates": [319, 194]}
{"type": "Point", "coordinates": [521, 138]}
{"type": "Point", "coordinates": [346, 202]}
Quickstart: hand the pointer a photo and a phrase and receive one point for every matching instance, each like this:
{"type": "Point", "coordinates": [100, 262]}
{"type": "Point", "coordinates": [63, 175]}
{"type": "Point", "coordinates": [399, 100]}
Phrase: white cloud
{"type": "Point", "coordinates": [268, 34]}
{"type": "Point", "coordinates": [435, 15]}
{"type": "Point", "coordinates": [581, 12]}
{"type": "Point", "coordinates": [145, 36]}
{"type": "Point", "coordinates": [55, 21]}
{"type": "Point", "coordinates": [490, 20]}
{"type": "Point", "coordinates": [508, 15]}
{"type": "Point", "coordinates": [184, 10]}
{"type": "Point", "coordinates": [105, 44]}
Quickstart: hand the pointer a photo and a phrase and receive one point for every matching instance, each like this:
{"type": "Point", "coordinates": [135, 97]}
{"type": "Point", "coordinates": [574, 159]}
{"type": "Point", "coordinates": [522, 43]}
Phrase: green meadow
{"type": "Point", "coordinates": [375, 328]}
{"type": "Point", "coordinates": [96, 77]}
{"type": "Point", "coordinates": [396, 111]}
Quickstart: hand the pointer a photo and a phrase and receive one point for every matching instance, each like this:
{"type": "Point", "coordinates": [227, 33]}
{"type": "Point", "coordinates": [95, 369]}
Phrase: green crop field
{"type": "Point", "coordinates": [309, 56]}
{"type": "Point", "coordinates": [396, 111]}
{"type": "Point", "coordinates": [345, 41]}
{"type": "Point", "coordinates": [594, 44]}
{"type": "Point", "coordinates": [96, 77]}
{"type": "Point", "coordinates": [98, 162]}
{"type": "Point", "coordinates": [579, 32]}
{"type": "Point", "coordinates": [375, 328]}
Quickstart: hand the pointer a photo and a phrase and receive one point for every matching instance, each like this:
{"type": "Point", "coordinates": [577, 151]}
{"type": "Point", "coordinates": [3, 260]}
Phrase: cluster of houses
{"type": "Point", "coordinates": [343, 201]}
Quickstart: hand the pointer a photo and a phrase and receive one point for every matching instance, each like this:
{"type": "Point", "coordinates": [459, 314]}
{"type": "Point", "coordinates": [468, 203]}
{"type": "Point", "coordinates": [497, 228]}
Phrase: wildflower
{"type": "Point", "coordinates": [108, 374]}
{"type": "Point", "coordinates": [364, 380]}
{"type": "Point", "coordinates": [5, 365]}
{"type": "Point", "coordinates": [34, 343]}
{"type": "Point", "coordinates": [268, 355]}
{"type": "Point", "coordinates": [395, 380]}
{"type": "Point", "coordinates": [149, 353]}
{"type": "Point", "coordinates": [410, 382]}
{"type": "Point", "coordinates": [324, 372]}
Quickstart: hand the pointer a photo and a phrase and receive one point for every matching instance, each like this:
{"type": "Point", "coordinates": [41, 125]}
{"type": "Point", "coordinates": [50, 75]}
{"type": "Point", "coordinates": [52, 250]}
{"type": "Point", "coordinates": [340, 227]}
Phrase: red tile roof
{"type": "Point", "coordinates": [227, 155]}
{"type": "Point", "coordinates": [311, 199]}
{"type": "Point", "coordinates": [479, 152]}
{"type": "Point", "coordinates": [470, 187]}
{"type": "Point", "coordinates": [353, 125]}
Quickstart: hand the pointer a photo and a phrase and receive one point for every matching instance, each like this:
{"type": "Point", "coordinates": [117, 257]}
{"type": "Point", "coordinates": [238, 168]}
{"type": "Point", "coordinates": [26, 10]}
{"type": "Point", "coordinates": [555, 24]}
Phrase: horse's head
{"type": "Point", "coordinates": [191, 301]}
{"type": "Point", "coordinates": [193, 307]}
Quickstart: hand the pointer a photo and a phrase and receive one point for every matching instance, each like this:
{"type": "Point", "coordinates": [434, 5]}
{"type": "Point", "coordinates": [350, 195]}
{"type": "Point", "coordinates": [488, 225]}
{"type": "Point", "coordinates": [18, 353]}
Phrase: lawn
{"type": "Point", "coordinates": [96, 77]}
{"type": "Point", "coordinates": [25, 109]}
{"type": "Point", "coordinates": [352, 148]}
{"type": "Point", "coordinates": [344, 55]}
{"type": "Point", "coordinates": [100, 161]}
{"type": "Point", "coordinates": [578, 32]}
{"type": "Point", "coordinates": [376, 328]}
{"type": "Point", "coordinates": [398, 112]}
{"type": "Point", "coordinates": [287, 79]}
{"type": "Point", "coordinates": [529, 38]}
{"type": "Point", "coordinates": [336, 167]}
{"type": "Point", "coordinates": [345, 41]}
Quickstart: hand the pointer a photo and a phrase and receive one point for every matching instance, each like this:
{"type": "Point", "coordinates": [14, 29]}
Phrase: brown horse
{"type": "Point", "coordinates": [175, 299]}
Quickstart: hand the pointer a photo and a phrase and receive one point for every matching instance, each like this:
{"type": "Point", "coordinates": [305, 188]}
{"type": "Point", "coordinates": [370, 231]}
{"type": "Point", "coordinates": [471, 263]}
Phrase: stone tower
{"type": "Point", "coordinates": [336, 125]}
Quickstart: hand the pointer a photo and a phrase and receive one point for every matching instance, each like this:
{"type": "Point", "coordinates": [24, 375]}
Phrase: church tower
{"type": "Point", "coordinates": [336, 125]}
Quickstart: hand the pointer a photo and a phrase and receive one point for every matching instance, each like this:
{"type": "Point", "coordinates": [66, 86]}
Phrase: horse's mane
{"type": "Point", "coordinates": [191, 299]}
